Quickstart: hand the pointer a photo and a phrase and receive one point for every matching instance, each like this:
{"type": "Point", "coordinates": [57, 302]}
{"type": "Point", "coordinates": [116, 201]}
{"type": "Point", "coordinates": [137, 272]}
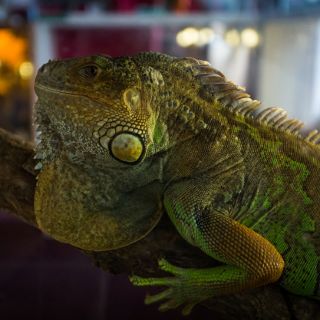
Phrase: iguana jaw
{"type": "Point", "coordinates": [69, 208]}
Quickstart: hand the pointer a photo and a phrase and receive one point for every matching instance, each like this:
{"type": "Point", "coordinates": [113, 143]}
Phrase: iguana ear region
{"type": "Point", "coordinates": [132, 99]}
{"type": "Point", "coordinates": [127, 147]}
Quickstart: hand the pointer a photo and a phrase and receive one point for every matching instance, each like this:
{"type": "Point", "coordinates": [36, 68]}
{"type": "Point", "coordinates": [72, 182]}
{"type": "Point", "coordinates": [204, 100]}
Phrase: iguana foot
{"type": "Point", "coordinates": [184, 288]}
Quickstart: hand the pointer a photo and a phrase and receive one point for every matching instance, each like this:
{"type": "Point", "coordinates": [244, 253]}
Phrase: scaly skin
{"type": "Point", "coordinates": [123, 138]}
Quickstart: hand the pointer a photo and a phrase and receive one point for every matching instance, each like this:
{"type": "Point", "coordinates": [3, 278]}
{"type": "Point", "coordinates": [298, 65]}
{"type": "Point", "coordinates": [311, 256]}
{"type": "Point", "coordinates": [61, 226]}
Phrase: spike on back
{"type": "Point", "coordinates": [313, 137]}
{"type": "Point", "coordinates": [239, 102]}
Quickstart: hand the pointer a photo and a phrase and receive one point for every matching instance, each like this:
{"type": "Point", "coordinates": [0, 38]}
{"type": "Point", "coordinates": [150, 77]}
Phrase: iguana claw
{"type": "Point", "coordinates": [179, 292]}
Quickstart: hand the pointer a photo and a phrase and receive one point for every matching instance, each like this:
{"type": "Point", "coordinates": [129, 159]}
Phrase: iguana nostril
{"type": "Point", "coordinates": [42, 69]}
{"type": "Point", "coordinates": [50, 65]}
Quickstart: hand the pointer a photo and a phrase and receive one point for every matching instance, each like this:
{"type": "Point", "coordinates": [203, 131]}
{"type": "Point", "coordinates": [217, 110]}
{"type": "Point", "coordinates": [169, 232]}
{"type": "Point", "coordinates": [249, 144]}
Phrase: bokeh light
{"type": "Point", "coordinates": [194, 37]}
{"type": "Point", "coordinates": [250, 37]}
{"type": "Point", "coordinates": [12, 49]}
{"type": "Point", "coordinates": [232, 37]}
{"type": "Point", "coordinates": [206, 35]}
{"type": "Point", "coordinates": [26, 70]}
{"type": "Point", "coordinates": [187, 37]}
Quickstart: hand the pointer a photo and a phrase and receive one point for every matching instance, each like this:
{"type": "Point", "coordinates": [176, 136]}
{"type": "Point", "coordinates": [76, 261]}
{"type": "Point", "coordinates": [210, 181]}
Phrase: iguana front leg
{"type": "Point", "coordinates": [250, 260]}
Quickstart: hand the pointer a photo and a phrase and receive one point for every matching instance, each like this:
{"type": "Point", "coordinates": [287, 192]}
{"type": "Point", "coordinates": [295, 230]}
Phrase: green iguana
{"type": "Point", "coordinates": [124, 139]}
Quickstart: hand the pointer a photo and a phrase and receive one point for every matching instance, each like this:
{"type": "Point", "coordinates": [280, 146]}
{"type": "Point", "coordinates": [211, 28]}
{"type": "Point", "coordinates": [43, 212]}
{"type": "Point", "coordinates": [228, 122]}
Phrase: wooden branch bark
{"type": "Point", "coordinates": [17, 185]}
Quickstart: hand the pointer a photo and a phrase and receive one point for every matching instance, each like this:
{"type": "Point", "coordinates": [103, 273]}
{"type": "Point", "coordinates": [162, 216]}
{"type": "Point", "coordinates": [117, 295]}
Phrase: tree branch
{"type": "Point", "coordinates": [17, 185]}
{"type": "Point", "coordinates": [17, 176]}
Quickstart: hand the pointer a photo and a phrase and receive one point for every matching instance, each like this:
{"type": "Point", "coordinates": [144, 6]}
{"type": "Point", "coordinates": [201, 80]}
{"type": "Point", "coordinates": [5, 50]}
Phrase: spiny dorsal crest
{"type": "Point", "coordinates": [214, 86]}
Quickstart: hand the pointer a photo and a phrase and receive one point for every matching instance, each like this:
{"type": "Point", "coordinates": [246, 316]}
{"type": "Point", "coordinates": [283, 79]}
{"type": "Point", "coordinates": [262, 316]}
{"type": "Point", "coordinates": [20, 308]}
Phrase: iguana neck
{"type": "Point", "coordinates": [181, 116]}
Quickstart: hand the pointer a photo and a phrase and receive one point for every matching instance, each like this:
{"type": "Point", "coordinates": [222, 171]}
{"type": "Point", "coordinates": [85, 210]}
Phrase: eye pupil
{"type": "Point", "coordinates": [89, 72]}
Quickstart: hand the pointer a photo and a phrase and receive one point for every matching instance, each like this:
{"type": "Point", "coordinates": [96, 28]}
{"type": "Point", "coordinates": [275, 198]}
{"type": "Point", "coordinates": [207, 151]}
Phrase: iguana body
{"type": "Point", "coordinates": [123, 138]}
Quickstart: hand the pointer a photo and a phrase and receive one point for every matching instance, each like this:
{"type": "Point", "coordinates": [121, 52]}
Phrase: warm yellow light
{"type": "Point", "coordinates": [232, 37]}
{"type": "Point", "coordinates": [26, 70]}
{"type": "Point", "coordinates": [250, 37]}
{"type": "Point", "coordinates": [205, 35]}
{"type": "Point", "coordinates": [187, 37]}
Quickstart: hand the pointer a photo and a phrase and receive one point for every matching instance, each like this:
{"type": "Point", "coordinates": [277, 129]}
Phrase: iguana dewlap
{"type": "Point", "coordinates": [123, 138]}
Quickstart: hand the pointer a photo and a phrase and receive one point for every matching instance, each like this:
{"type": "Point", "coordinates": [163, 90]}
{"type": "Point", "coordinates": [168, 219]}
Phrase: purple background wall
{"type": "Point", "coordinates": [42, 279]}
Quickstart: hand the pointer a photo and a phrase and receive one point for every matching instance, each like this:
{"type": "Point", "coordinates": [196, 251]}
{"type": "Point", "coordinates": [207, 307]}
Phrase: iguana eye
{"type": "Point", "coordinates": [127, 147]}
{"type": "Point", "coordinates": [89, 72]}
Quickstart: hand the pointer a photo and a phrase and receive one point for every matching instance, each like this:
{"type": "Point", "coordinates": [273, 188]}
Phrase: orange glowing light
{"type": "Point", "coordinates": [12, 49]}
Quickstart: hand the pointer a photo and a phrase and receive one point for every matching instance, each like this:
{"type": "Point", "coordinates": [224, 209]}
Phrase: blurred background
{"type": "Point", "coordinates": [272, 47]}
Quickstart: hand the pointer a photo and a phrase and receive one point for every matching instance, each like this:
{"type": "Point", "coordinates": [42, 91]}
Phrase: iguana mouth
{"type": "Point", "coordinates": [50, 90]}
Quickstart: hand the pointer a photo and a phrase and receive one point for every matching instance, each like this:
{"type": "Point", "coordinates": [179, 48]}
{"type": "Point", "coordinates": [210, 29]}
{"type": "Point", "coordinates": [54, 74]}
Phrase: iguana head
{"type": "Point", "coordinates": [98, 114]}
{"type": "Point", "coordinates": [99, 106]}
